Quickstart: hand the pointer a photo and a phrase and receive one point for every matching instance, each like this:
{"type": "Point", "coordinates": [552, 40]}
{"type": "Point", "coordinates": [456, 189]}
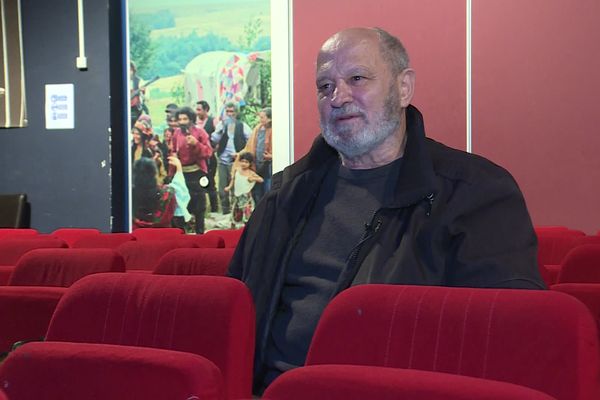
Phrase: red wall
{"type": "Point", "coordinates": [535, 85]}
{"type": "Point", "coordinates": [536, 107]}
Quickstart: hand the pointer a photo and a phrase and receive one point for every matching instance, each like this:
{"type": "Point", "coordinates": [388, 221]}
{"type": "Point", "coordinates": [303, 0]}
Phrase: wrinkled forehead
{"type": "Point", "coordinates": [348, 48]}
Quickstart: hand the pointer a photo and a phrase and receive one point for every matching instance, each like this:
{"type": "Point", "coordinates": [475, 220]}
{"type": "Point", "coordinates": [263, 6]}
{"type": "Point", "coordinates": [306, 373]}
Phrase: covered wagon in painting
{"type": "Point", "coordinates": [219, 77]}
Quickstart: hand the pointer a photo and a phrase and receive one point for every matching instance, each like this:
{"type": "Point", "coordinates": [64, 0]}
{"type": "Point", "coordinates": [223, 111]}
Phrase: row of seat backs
{"type": "Point", "coordinates": [552, 249]}
{"type": "Point", "coordinates": [580, 264]}
{"type": "Point", "coordinates": [542, 340]}
{"type": "Point", "coordinates": [42, 276]}
{"type": "Point", "coordinates": [61, 267]}
{"type": "Point", "coordinates": [201, 316]}
{"type": "Point", "coordinates": [91, 237]}
{"type": "Point", "coordinates": [138, 255]}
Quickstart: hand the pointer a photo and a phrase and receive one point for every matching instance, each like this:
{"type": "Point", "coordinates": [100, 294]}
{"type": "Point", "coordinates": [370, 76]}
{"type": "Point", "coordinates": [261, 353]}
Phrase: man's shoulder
{"type": "Point", "coordinates": [454, 164]}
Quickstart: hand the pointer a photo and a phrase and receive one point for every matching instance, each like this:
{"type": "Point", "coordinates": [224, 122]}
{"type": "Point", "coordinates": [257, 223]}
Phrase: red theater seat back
{"type": "Point", "coordinates": [12, 249]}
{"type": "Point", "coordinates": [16, 232]}
{"type": "Point", "coordinates": [582, 264]}
{"type": "Point", "coordinates": [26, 312]}
{"type": "Point", "coordinates": [62, 267]}
{"type": "Point", "coordinates": [103, 241]}
{"type": "Point", "coordinates": [195, 262]}
{"type": "Point", "coordinates": [231, 236]}
{"type": "Point", "coordinates": [144, 254]}
{"type": "Point", "coordinates": [544, 340]}
{"type": "Point", "coordinates": [157, 233]}
{"type": "Point", "coordinates": [58, 371]}
{"type": "Point", "coordinates": [71, 235]}
{"type": "Point", "coordinates": [352, 382]}
{"type": "Point", "coordinates": [205, 315]}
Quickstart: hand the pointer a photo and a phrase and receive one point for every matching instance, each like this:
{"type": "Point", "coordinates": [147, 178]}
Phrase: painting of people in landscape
{"type": "Point", "coordinates": [200, 111]}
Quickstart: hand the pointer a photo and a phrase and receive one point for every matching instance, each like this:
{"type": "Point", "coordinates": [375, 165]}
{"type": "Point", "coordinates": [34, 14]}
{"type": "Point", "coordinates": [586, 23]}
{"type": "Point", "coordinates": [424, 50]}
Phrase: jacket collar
{"type": "Point", "coordinates": [415, 181]}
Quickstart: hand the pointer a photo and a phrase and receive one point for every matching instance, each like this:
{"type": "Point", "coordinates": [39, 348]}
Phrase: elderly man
{"type": "Point", "coordinates": [374, 201]}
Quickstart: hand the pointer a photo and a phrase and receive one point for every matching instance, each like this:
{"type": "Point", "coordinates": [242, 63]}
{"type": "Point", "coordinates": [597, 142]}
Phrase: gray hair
{"type": "Point", "coordinates": [392, 51]}
{"type": "Point", "coordinates": [233, 105]}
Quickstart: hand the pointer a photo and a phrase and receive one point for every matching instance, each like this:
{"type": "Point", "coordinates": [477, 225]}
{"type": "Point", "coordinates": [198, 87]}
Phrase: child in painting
{"type": "Point", "coordinates": [242, 181]}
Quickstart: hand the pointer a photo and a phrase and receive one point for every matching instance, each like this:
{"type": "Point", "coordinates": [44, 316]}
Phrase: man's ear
{"type": "Point", "coordinates": [406, 86]}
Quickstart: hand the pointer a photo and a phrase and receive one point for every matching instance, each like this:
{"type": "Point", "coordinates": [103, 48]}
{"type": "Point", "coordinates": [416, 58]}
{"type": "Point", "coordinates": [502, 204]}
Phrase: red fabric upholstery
{"type": "Point", "coordinates": [587, 293]}
{"type": "Point", "coordinates": [16, 232]}
{"type": "Point", "coordinates": [71, 235]}
{"type": "Point", "coordinates": [25, 313]}
{"type": "Point", "coordinates": [544, 340]}
{"type": "Point", "coordinates": [103, 240]}
{"type": "Point", "coordinates": [58, 371]}
{"type": "Point", "coordinates": [587, 240]}
{"type": "Point", "coordinates": [205, 315]}
{"type": "Point", "coordinates": [204, 241]}
{"type": "Point", "coordinates": [553, 248]}
{"type": "Point", "coordinates": [3, 396]}
{"type": "Point", "coordinates": [231, 236]}
{"type": "Point", "coordinates": [551, 274]}
{"type": "Point", "coordinates": [12, 249]}
{"type": "Point", "coordinates": [557, 231]}
{"type": "Point", "coordinates": [195, 262]}
{"type": "Point", "coordinates": [62, 267]}
{"type": "Point", "coordinates": [157, 233]}
{"type": "Point", "coordinates": [581, 265]}
{"type": "Point", "coordinates": [351, 382]}
{"type": "Point", "coordinates": [144, 254]}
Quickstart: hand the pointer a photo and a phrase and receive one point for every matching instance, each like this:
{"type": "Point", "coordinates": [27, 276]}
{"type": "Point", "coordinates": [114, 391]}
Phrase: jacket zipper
{"type": "Point", "coordinates": [372, 227]}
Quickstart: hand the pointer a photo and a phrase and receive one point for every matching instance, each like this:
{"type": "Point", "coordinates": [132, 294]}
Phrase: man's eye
{"type": "Point", "coordinates": [324, 87]}
{"type": "Point", "coordinates": [357, 78]}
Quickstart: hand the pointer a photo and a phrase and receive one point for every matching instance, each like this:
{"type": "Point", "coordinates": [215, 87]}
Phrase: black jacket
{"type": "Point", "coordinates": [456, 219]}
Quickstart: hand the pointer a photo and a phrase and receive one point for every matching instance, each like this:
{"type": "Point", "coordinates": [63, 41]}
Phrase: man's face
{"type": "Point", "coordinates": [183, 120]}
{"type": "Point", "coordinates": [172, 122]}
{"type": "Point", "coordinates": [200, 112]}
{"type": "Point", "coordinates": [358, 98]}
{"type": "Point", "coordinates": [230, 112]}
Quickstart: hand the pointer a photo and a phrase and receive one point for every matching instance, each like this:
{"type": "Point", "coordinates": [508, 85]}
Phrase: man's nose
{"type": "Point", "coordinates": [341, 95]}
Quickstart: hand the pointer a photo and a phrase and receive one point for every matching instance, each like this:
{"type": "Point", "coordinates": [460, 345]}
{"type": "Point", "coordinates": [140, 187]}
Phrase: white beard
{"type": "Point", "coordinates": [351, 141]}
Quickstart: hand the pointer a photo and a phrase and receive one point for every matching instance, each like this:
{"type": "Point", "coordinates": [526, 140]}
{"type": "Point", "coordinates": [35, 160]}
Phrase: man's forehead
{"type": "Point", "coordinates": [355, 55]}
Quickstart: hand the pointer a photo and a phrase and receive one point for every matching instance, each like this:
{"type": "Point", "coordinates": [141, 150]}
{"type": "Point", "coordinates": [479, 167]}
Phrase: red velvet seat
{"type": "Point", "coordinates": [587, 240]}
{"type": "Point", "coordinates": [543, 340]}
{"type": "Point", "coordinates": [231, 236]}
{"type": "Point", "coordinates": [143, 255]}
{"type": "Point", "coordinates": [12, 249]}
{"type": "Point", "coordinates": [71, 235]}
{"type": "Point", "coordinates": [39, 280]}
{"type": "Point", "coordinates": [62, 267]}
{"type": "Point", "coordinates": [157, 233]}
{"type": "Point", "coordinates": [58, 371]}
{"type": "Point", "coordinates": [16, 232]}
{"type": "Point", "coordinates": [195, 262]}
{"type": "Point", "coordinates": [203, 241]}
{"type": "Point", "coordinates": [352, 382]}
{"type": "Point", "coordinates": [581, 265]}
{"type": "Point", "coordinates": [204, 315]}
{"type": "Point", "coordinates": [26, 313]}
{"type": "Point", "coordinates": [103, 240]}
{"type": "Point", "coordinates": [587, 293]}
{"type": "Point", "coordinates": [553, 249]}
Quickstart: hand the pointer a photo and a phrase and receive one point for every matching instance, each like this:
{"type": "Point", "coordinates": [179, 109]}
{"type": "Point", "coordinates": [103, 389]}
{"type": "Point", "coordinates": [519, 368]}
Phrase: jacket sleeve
{"type": "Point", "coordinates": [493, 243]}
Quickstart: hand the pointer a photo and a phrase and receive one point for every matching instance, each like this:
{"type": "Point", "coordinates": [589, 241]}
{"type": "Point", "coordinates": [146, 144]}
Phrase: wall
{"type": "Point", "coordinates": [535, 85]}
{"type": "Point", "coordinates": [65, 173]}
{"type": "Point", "coordinates": [535, 103]}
